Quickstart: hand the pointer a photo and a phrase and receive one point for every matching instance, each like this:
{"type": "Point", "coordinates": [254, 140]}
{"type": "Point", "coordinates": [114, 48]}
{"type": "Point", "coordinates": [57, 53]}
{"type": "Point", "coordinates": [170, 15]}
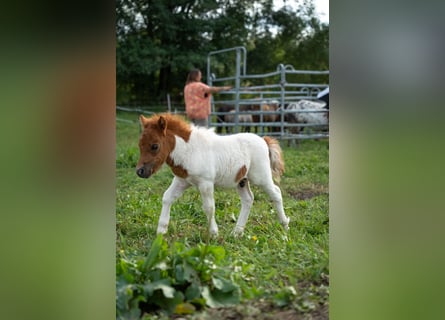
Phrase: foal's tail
{"type": "Point", "coordinates": [276, 158]}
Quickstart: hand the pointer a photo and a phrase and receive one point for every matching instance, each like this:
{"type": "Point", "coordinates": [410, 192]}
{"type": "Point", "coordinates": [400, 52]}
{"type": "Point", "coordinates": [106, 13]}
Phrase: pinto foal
{"type": "Point", "coordinates": [199, 157]}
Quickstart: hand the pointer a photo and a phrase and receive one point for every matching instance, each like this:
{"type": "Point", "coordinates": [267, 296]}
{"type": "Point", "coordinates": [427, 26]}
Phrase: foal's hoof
{"type": "Point", "coordinates": [213, 233]}
{"type": "Point", "coordinates": [286, 224]}
{"type": "Point", "coordinates": [162, 230]}
{"type": "Point", "coordinates": [238, 232]}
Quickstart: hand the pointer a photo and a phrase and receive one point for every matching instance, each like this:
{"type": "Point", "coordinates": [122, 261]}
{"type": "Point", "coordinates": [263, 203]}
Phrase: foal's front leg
{"type": "Point", "coordinates": [208, 204]}
{"type": "Point", "coordinates": [176, 189]}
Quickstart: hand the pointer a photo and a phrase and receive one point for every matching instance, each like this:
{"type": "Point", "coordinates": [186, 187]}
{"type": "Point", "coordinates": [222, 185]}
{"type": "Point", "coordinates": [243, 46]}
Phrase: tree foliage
{"type": "Point", "coordinates": [159, 41]}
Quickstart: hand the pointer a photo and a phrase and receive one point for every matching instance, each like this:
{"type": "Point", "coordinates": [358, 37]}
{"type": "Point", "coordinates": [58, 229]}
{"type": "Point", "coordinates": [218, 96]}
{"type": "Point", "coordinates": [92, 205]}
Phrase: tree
{"type": "Point", "coordinates": [159, 41]}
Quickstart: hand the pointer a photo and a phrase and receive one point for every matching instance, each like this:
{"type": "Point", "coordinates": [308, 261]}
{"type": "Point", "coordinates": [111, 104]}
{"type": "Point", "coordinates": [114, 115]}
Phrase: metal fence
{"type": "Point", "coordinates": [283, 87]}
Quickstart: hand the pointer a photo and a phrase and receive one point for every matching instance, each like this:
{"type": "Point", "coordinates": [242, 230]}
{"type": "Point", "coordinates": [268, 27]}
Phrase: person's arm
{"type": "Point", "coordinates": [218, 89]}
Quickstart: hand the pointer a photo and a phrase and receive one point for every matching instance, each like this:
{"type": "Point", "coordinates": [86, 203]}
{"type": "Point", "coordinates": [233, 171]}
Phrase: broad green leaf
{"type": "Point", "coordinates": [192, 292]}
{"type": "Point", "coordinates": [169, 304]}
{"type": "Point", "coordinates": [223, 284]}
{"type": "Point", "coordinates": [227, 298]}
{"type": "Point", "coordinates": [218, 252]}
{"type": "Point", "coordinates": [185, 308]}
{"type": "Point", "coordinates": [164, 285]}
{"type": "Point", "coordinates": [190, 273]}
{"type": "Point", "coordinates": [133, 314]}
{"type": "Point", "coordinates": [217, 298]}
{"type": "Point", "coordinates": [124, 293]}
{"type": "Point", "coordinates": [179, 273]}
{"type": "Point", "coordinates": [168, 291]}
{"type": "Point", "coordinates": [205, 291]}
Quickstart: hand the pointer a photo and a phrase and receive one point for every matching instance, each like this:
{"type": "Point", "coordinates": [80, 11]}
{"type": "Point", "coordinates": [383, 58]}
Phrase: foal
{"type": "Point", "coordinates": [199, 157]}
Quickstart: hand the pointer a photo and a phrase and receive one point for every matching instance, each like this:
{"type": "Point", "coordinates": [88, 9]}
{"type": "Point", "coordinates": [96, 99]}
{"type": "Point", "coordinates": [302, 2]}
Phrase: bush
{"type": "Point", "coordinates": [175, 280]}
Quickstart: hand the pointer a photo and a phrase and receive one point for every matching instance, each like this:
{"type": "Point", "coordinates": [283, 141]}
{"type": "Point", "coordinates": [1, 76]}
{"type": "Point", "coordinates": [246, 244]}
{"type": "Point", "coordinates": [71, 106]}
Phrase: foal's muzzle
{"type": "Point", "coordinates": [144, 171]}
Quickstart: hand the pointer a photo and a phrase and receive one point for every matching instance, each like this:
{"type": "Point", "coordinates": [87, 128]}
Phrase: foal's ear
{"type": "Point", "coordinates": [162, 123]}
{"type": "Point", "coordinates": [143, 120]}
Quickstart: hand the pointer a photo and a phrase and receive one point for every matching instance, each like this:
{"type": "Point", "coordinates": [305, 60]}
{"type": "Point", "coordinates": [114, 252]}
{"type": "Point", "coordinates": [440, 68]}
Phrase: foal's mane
{"type": "Point", "coordinates": [176, 124]}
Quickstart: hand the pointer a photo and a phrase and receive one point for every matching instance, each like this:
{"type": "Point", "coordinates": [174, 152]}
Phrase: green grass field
{"type": "Point", "coordinates": [280, 275]}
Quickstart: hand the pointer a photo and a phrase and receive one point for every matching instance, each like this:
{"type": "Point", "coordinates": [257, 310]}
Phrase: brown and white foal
{"type": "Point", "coordinates": [199, 157]}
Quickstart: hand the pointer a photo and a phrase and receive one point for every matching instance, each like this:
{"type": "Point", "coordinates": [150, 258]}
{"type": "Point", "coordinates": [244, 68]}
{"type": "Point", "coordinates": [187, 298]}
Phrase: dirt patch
{"type": "Point", "coordinates": [259, 310]}
{"type": "Point", "coordinates": [308, 192]}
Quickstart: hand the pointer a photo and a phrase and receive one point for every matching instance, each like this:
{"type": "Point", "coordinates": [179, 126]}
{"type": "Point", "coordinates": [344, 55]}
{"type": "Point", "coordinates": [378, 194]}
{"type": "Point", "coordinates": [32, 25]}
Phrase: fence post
{"type": "Point", "coordinates": [210, 83]}
{"type": "Point", "coordinates": [169, 107]}
{"type": "Point", "coordinates": [282, 96]}
{"type": "Point", "coordinates": [237, 85]}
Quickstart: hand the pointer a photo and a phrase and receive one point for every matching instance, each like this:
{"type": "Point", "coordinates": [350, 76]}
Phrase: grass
{"type": "Point", "coordinates": [278, 272]}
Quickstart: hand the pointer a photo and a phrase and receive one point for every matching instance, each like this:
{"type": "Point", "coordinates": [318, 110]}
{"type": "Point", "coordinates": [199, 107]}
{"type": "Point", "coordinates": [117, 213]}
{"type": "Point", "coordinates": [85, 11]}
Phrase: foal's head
{"type": "Point", "coordinates": [157, 141]}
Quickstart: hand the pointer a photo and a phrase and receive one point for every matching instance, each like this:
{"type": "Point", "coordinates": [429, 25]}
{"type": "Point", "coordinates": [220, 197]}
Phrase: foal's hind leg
{"type": "Point", "coordinates": [246, 196]}
{"type": "Point", "coordinates": [176, 189]}
{"type": "Point", "coordinates": [274, 193]}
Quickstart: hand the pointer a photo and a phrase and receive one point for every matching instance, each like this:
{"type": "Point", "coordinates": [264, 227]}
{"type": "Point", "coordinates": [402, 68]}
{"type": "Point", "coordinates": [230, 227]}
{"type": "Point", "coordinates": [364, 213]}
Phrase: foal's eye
{"type": "Point", "coordinates": [154, 147]}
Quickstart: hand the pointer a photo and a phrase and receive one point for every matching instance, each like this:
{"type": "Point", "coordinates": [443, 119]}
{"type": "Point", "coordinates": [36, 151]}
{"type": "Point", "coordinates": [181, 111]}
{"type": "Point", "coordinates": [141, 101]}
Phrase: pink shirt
{"type": "Point", "coordinates": [197, 101]}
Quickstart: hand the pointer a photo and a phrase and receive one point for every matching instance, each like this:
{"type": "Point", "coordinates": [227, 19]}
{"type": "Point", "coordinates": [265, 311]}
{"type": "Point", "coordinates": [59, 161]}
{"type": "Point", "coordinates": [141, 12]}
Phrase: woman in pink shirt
{"type": "Point", "coordinates": [197, 98]}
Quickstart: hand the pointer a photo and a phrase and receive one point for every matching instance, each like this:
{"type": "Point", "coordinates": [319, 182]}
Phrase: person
{"type": "Point", "coordinates": [197, 98]}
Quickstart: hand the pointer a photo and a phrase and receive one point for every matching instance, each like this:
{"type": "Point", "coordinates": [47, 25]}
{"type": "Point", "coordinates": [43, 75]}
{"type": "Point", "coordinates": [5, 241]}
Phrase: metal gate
{"type": "Point", "coordinates": [282, 88]}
